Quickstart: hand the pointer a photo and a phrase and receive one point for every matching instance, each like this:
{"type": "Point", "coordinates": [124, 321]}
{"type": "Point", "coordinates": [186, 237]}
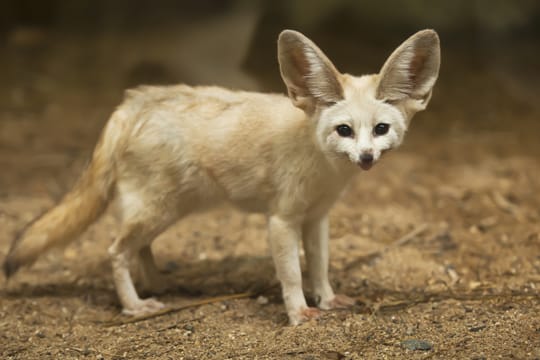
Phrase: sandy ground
{"type": "Point", "coordinates": [440, 242]}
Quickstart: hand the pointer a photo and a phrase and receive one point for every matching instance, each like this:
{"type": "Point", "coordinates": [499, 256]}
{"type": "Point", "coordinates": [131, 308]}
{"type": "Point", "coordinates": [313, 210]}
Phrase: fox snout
{"type": "Point", "coordinates": [366, 160]}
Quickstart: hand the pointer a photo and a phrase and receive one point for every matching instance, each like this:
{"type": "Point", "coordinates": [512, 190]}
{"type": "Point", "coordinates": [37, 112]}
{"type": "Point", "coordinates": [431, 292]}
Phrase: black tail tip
{"type": "Point", "coordinates": [10, 267]}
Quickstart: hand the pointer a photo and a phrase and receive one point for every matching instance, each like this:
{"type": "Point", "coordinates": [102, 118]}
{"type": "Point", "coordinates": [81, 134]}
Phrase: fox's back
{"type": "Point", "coordinates": [208, 111]}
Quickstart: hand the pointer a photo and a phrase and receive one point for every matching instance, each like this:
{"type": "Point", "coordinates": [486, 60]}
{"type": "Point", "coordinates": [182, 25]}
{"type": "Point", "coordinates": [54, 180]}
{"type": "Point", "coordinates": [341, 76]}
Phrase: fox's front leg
{"type": "Point", "coordinates": [284, 237]}
{"type": "Point", "coordinates": [315, 238]}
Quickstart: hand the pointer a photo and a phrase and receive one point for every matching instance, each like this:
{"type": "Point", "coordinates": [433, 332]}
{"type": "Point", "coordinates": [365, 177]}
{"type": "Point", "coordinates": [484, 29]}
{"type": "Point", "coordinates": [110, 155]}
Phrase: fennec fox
{"type": "Point", "coordinates": [170, 151]}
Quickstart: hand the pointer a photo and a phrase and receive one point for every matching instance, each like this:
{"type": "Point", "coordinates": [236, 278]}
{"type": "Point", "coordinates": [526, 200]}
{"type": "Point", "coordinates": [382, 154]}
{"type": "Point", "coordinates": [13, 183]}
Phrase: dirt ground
{"type": "Point", "coordinates": [440, 242]}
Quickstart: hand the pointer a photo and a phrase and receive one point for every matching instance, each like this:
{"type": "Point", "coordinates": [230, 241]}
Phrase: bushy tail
{"type": "Point", "coordinates": [76, 211]}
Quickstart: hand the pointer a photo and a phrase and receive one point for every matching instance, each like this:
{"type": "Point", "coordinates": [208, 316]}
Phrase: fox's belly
{"type": "Point", "coordinates": [249, 189]}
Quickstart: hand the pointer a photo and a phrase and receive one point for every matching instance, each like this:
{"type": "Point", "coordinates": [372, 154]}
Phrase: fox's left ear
{"type": "Point", "coordinates": [311, 79]}
{"type": "Point", "coordinates": [408, 76]}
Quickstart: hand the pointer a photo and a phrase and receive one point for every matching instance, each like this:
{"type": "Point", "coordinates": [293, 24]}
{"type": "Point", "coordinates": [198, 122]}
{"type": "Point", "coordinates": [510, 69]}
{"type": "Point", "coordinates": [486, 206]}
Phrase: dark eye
{"type": "Point", "coordinates": [344, 130]}
{"type": "Point", "coordinates": [381, 129]}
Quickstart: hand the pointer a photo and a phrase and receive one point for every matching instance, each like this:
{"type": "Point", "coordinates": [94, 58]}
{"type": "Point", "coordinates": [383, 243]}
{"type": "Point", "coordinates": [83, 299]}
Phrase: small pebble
{"type": "Point", "coordinates": [262, 300]}
{"type": "Point", "coordinates": [414, 344]}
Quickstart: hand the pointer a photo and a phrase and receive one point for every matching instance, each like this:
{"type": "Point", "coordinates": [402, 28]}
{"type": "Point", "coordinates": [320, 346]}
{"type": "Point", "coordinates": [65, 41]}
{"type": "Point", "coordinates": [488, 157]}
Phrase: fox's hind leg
{"type": "Point", "coordinates": [144, 217]}
{"type": "Point", "coordinates": [125, 249]}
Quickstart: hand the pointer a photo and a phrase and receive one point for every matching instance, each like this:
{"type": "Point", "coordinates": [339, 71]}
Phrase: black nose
{"type": "Point", "coordinates": [366, 158]}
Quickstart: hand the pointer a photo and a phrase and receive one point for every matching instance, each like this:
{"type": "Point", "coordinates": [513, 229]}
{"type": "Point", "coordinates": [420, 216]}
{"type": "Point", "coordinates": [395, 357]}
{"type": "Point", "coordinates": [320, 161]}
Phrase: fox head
{"type": "Point", "coordinates": [359, 118]}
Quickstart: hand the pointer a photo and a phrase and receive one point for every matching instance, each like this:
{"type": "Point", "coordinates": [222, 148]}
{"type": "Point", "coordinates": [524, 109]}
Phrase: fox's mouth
{"type": "Point", "coordinates": [364, 165]}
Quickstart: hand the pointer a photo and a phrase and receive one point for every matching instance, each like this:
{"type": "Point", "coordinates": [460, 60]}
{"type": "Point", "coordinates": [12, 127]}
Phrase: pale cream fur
{"type": "Point", "coordinates": [170, 151]}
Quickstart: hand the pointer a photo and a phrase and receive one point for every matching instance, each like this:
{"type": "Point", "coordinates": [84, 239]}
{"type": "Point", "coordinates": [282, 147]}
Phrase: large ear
{"type": "Point", "coordinates": [311, 78]}
{"type": "Point", "coordinates": [411, 71]}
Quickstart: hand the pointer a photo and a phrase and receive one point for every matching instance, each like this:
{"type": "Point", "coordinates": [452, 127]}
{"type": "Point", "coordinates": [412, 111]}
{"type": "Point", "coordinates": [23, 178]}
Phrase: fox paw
{"type": "Point", "coordinates": [304, 315]}
{"type": "Point", "coordinates": [339, 301]}
{"type": "Point", "coordinates": [144, 307]}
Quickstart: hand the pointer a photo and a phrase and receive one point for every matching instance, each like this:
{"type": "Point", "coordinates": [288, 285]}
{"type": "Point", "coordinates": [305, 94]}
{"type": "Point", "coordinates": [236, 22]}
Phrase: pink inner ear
{"type": "Point", "coordinates": [417, 64]}
{"type": "Point", "coordinates": [301, 66]}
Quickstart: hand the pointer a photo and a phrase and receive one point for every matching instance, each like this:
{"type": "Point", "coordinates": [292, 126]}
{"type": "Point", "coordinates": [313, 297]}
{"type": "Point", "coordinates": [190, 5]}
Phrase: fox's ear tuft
{"type": "Point", "coordinates": [411, 71]}
{"type": "Point", "coordinates": [311, 78]}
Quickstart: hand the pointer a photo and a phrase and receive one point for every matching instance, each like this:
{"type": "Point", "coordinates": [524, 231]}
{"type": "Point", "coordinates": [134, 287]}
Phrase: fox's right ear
{"type": "Point", "coordinates": [311, 78]}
